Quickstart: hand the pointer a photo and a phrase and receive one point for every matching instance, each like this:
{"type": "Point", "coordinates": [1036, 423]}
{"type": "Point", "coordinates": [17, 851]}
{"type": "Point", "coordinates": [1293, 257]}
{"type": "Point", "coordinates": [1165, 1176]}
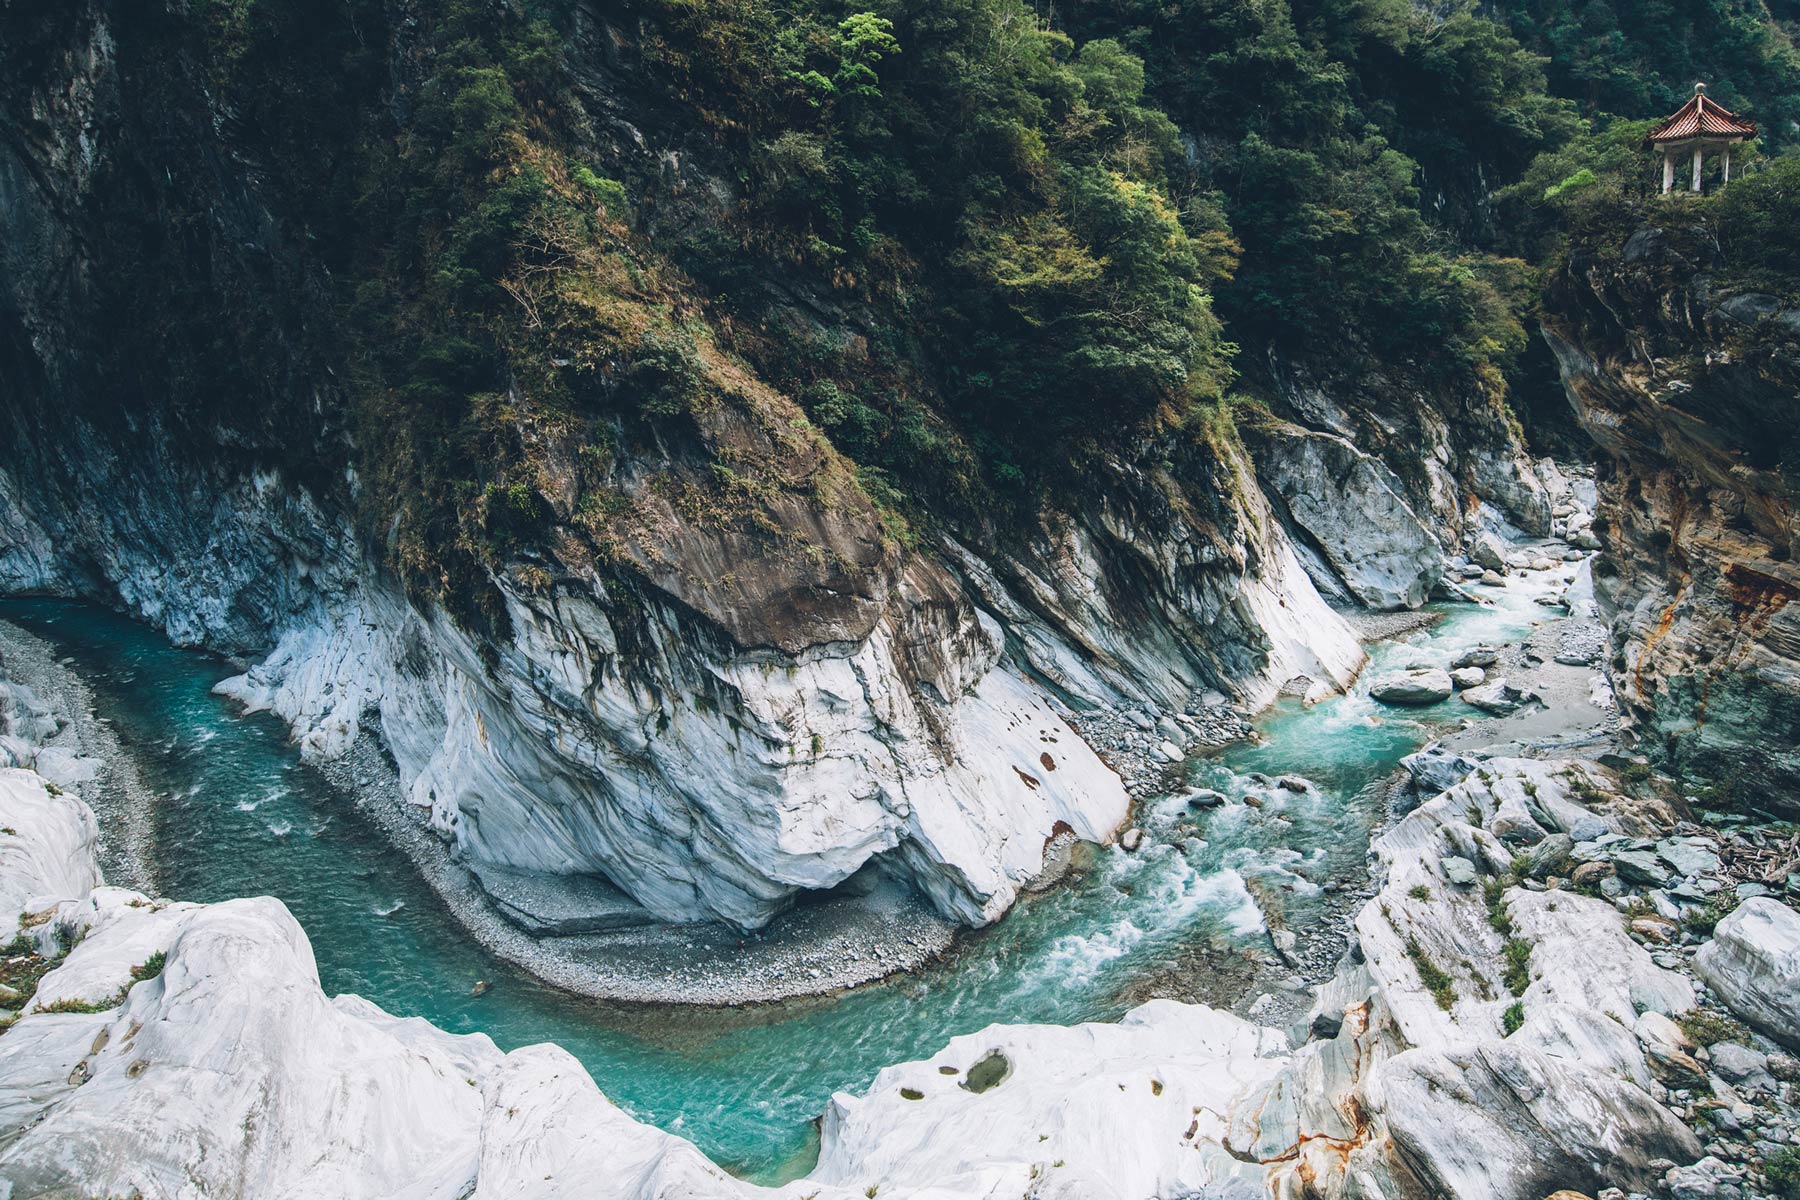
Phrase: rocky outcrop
{"type": "Point", "coordinates": [1691, 387]}
{"type": "Point", "coordinates": [1427, 1083]}
{"type": "Point", "coordinates": [1455, 456]}
{"type": "Point", "coordinates": [1175, 576]}
{"type": "Point", "coordinates": [46, 847]}
{"type": "Point", "coordinates": [1353, 514]}
{"type": "Point", "coordinates": [736, 782]}
{"type": "Point", "coordinates": [1753, 963]}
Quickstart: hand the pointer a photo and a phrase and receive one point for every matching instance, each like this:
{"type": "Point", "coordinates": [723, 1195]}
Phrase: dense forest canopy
{"type": "Point", "coordinates": [1051, 229]}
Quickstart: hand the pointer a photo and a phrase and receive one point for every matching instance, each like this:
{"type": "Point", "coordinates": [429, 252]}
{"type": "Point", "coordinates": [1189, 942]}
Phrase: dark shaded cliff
{"type": "Point", "coordinates": [1677, 328]}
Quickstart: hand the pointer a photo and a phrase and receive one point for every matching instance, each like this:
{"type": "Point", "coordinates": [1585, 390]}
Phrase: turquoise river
{"type": "Point", "coordinates": [239, 815]}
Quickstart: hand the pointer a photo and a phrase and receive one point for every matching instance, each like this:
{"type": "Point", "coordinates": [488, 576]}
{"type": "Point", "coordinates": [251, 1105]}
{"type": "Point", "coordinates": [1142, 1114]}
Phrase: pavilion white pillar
{"type": "Point", "coordinates": [1699, 157]}
{"type": "Point", "coordinates": [1668, 171]}
{"type": "Point", "coordinates": [1725, 160]}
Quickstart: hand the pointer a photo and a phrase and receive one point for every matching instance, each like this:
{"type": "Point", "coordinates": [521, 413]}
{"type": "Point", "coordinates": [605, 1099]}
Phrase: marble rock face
{"type": "Point", "coordinates": [1753, 963]}
{"type": "Point", "coordinates": [1353, 512]}
{"type": "Point", "coordinates": [47, 846]}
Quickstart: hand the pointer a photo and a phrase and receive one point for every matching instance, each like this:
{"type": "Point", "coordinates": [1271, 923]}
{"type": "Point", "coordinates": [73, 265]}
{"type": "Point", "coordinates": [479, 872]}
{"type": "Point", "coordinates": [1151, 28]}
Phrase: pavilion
{"type": "Point", "coordinates": [1702, 126]}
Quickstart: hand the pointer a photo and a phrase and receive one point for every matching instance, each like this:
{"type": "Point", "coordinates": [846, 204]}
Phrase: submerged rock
{"type": "Point", "coordinates": [1204, 798]}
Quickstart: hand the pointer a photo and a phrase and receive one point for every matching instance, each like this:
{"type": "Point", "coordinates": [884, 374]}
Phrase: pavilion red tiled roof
{"type": "Point", "coordinates": [1702, 117]}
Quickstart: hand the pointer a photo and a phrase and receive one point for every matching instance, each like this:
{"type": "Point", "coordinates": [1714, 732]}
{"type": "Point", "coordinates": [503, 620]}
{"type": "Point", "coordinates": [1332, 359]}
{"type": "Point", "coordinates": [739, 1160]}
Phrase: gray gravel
{"type": "Point", "coordinates": [816, 949]}
{"type": "Point", "coordinates": [123, 805]}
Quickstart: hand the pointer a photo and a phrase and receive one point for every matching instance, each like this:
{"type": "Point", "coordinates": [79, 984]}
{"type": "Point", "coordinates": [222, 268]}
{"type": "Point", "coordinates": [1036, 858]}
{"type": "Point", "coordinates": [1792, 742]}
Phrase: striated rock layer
{"type": "Point", "coordinates": [1691, 386]}
{"type": "Point", "coordinates": [1378, 473]}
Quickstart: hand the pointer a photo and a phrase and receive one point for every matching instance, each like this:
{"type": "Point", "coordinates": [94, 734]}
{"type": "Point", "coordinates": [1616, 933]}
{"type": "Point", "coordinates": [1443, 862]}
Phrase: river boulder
{"type": "Point", "coordinates": [1415, 686]}
{"type": "Point", "coordinates": [1498, 698]}
{"type": "Point", "coordinates": [1435, 769]}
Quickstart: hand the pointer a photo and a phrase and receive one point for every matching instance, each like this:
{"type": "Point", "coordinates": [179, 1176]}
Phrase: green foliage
{"type": "Point", "coordinates": [609, 192]}
{"type": "Point", "coordinates": [1517, 973]}
{"type": "Point", "coordinates": [21, 967]}
{"type": "Point", "coordinates": [1493, 891]}
{"type": "Point", "coordinates": [150, 968]}
{"type": "Point", "coordinates": [864, 39]}
{"type": "Point", "coordinates": [1702, 919]}
{"type": "Point", "coordinates": [1706, 1027]}
{"type": "Point", "coordinates": [666, 373]}
{"type": "Point", "coordinates": [1321, 118]}
{"type": "Point", "coordinates": [1512, 1018]}
{"type": "Point", "coordinates": [1782, 1170]}
{"type": "Point", "coordinates": [1012, 191]}
{"type": "Point", "coordinates": [69, 1005]}
{"type": "Point", "coordinates": [1419, 891]}
{"type": "Point", "coordinates": [1584, 177]}
{"type": "Point", "coordinates": [1756, 218]}
{"type": "Point", "coordinates": [1435, 979]}
{"type": "Point", "coordinates": [1642, 57]}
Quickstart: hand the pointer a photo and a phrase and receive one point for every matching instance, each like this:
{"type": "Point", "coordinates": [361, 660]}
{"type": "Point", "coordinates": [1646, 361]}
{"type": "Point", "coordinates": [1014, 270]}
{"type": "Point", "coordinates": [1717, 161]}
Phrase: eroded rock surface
{"type": "Point", "coordinates": [1353, 513]}
{"type": "Point", "coordinates": [1753, 962]}
{"type": "Point", "coordinates": [1444, 1061]}
{"type": "Point", "coordinates": [1695, 399]}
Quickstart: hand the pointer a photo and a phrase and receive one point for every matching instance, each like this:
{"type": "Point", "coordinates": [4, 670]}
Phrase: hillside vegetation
{"type": "Point", "coordinates": [961, 249]}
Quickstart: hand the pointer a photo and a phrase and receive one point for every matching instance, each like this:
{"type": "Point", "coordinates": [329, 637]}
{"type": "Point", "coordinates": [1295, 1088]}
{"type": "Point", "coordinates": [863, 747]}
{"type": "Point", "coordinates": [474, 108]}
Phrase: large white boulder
{"type": "Point", "coordinates": [47, 846]}
{"type": "Point", "coordinates": [1509, 1121]}
{"type": "Point", "coordinates": [1419, 685]}
{"type": "Point", "coordinates": [1118, 1111]}
{"type": "Point", "coordinates": [230, 1073]}
{"type": "Point", "coordinates": [1753, 963]}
